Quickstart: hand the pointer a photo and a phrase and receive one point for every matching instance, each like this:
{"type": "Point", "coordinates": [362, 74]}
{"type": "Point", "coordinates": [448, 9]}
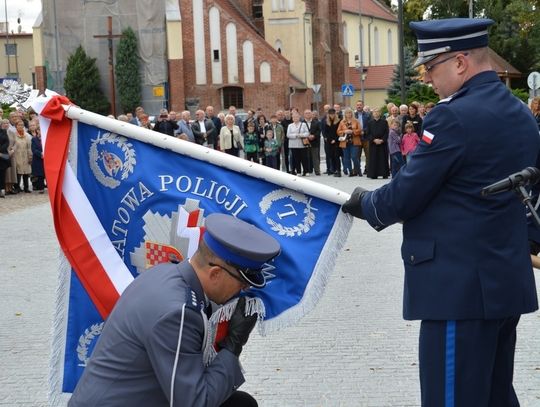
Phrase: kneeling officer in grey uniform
{"type": "Point", "coordinates": [150, 352]}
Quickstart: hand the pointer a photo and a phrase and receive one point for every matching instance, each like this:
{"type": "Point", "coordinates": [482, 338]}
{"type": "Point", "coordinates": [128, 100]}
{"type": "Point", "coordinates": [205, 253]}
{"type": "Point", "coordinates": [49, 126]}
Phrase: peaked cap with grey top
{"type": "Point", "coordinates": [241, 245]}
{"type": "Point", "coordinates": [437, 37]}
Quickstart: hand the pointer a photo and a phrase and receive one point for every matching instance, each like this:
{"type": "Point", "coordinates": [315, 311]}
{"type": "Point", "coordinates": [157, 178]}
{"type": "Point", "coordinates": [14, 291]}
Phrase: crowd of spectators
{"type": "Point", "coordinates": [288, 140]}
{"type": "Point", "coordinates": [21, 154]}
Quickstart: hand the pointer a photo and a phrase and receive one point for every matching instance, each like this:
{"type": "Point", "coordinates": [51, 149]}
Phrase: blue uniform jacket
{"type": "Point", "coordinates": [466, 256]}
{"type": "Point", "coordinates": [133, 360]}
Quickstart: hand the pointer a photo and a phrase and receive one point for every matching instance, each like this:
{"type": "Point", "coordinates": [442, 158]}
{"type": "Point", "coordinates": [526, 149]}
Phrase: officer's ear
{"type": "Point", "coordinates": [214, 272]}
{"type": "Point", "coordinates": [462, 62]}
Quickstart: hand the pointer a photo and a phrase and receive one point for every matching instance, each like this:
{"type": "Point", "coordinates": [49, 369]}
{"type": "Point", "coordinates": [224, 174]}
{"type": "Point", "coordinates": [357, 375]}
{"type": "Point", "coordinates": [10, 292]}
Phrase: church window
{"type": "Point", "coordinates": [249, 64]}
{"type": "Point", "coordinates": [266, 75]}
{"type": "Point", "coordinates": [257, 9]}
{"type": "Point", "coordinates": [345, 36]}
{"type": "Point", "coordinates": [232, 53]}
{"type": "Point", "coordinates": [390, 48]}
{"type": "Point", "coordinates": [233, 96]}
{"type": "Point", "coordinates": [279, 46]}
{"type": "Point", "coordinates": [377, 44]}
{"type": "Point", "coordinates": [214, 23]}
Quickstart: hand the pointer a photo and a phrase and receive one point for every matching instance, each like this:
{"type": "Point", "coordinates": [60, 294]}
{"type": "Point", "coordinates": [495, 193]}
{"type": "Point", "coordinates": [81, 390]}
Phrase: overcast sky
{"type": "Point", "coordinates": [27, 10]}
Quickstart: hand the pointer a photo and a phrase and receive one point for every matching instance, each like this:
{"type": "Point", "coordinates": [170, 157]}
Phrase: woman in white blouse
{"type": "Point", "coordinates": [231, 140]}
{"type": "Point", "coordinates": [297, 132]}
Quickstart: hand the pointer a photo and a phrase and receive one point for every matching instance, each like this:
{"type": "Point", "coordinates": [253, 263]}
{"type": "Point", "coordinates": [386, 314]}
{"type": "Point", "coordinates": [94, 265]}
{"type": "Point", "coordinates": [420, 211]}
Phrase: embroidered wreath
{"type": "Point", "coordinates": [289, 231]}
{"type": "Point", "coordinates": [129, 158]}
{"type": "Point", "coordinates": [86, 339]}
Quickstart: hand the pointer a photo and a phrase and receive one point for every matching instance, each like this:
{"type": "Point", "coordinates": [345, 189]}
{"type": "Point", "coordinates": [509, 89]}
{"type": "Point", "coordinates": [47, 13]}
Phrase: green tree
{"type": "Point", "coordinates": [411, 77]}
{"type": "Point", "coordinates": [415, 90]}
{"type": "Point", "coordinates": [127, 71]}
{"type": "Point", "coordinates": [515, 35]}
{"type": "Point", "coordinates": [82, 83]}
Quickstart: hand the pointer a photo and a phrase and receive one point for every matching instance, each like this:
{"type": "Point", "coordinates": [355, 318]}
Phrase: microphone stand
{"type": "Point", "coordinates": [526, 199]}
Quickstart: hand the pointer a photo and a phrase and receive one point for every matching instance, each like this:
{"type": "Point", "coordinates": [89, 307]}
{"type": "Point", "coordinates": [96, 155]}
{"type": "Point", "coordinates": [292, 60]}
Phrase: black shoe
{"type": "Point", "coordinates": [27, 191]}
{"type": "Point", "coordinates": [337, 174]}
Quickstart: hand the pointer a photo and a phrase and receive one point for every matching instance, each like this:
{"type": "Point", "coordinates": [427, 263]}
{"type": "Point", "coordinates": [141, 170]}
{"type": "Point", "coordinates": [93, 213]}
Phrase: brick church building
{"type": "Point", "coordinates": [247, 53]}
{"type": "Point", "coordinates": [252, 54]}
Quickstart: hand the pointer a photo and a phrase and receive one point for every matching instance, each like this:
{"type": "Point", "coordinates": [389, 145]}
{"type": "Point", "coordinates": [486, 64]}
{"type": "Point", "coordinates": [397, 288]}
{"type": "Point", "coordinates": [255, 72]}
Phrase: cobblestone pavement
{"type": "Point", "coordinates": [12, 203]}
{"type": "Point", "coordinates": [353, 349]}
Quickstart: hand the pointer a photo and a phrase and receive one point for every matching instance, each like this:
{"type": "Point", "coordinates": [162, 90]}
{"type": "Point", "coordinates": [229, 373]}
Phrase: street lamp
{"type": "Point", "coordinates": [362, 72]}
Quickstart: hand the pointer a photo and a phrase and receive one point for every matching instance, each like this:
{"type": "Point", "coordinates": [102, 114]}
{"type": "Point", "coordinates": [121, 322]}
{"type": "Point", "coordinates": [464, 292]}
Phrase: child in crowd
{"type": "Point", "coordinates": [271, 149]}
{"type": "Point", "coordinates": [394, 147]}
{"type": "Point", "coordinates": [409, 141]}
{"type": "Point", "coordinates": [251, 143]}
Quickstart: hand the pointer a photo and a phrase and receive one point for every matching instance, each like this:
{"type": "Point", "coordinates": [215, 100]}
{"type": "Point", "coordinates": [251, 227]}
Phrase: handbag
{"type": "Point", "coordinates": [305, 140]}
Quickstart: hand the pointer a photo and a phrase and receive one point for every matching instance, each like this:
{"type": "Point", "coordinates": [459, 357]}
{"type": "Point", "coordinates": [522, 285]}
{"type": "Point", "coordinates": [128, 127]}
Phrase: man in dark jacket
{"type": "Point", "coordinates": [314, 155]}
{"type": "Point", "coordinates": [468, 274]}
{"type": "Point", "coordinates": [204, 130]}
{"type": "Point", "coordinates": [164, 125]}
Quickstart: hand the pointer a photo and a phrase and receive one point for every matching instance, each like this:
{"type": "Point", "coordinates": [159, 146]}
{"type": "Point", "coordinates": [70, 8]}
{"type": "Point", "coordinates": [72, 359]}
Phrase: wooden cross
{"type": "Point", "coordinates": [110, 37]}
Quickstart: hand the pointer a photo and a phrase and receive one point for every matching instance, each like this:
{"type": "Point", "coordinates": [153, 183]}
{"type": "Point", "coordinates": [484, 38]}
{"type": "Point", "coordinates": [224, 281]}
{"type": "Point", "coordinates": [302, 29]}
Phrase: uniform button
{"type": "Point", "coordinates": [412, 258]}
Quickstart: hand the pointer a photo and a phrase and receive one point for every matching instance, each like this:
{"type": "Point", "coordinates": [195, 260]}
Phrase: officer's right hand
{"type": "Point", "coordinates": [354, 203]}
{"type": "Point", "coordinates": [240, 326]}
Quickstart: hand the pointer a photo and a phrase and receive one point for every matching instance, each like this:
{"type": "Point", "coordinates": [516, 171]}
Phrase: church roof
{"type": "Point", "coordinates": [378, 77]}
{"type": "Point", "coordinates": [370, 8]}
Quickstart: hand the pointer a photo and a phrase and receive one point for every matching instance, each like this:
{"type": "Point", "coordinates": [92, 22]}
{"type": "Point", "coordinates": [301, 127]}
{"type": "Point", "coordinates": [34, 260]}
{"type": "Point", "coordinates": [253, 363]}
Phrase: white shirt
{"type": "Point", "coordinates": [201, 125]}
{"type": "Point", "coordinates": [295, 134]}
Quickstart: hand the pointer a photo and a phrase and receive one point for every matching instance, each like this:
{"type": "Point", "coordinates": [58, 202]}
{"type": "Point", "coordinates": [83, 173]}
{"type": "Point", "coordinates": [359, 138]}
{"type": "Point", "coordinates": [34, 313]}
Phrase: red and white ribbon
{"type": "Point", "coordinates": [82, 238]}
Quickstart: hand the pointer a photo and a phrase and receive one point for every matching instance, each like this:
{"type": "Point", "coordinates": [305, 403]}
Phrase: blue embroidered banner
{"type": "Point", "coordinates": [152, 201]}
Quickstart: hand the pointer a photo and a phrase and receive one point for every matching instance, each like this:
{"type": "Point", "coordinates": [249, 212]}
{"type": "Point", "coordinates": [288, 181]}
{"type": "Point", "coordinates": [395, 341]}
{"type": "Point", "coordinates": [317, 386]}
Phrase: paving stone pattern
{"type": "Point", "coordinates": [353, 349]}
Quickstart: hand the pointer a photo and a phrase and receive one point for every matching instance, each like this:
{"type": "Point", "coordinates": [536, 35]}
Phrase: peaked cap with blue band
{"type": "Point", "coordinates": [437, 37]}
{"type": "Point", "coordinates": [242, 245]}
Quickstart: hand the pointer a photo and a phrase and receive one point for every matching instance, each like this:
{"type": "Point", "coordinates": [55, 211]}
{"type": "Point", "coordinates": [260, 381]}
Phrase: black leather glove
{"type": "Point", "coordinates": [240, 327]}
{"type": "Point", "coordinates": [354, 203]}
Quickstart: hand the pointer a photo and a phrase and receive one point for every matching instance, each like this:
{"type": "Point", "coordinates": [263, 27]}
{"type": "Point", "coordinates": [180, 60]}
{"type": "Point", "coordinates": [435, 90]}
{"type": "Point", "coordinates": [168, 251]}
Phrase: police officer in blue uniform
{"type": "Point", "coordinates": [150, 352]}
{"type": "Point", "coordinates": [468, 274]}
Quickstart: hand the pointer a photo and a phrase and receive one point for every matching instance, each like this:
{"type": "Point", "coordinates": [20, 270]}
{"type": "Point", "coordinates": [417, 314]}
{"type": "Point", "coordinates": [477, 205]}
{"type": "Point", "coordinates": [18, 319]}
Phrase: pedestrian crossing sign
{"type": "Point", "coordinates": [347, 89]}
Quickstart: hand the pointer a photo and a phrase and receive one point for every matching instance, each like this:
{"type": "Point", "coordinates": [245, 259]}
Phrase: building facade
{"type": "Point", "coordinates": [17, 61]}
{"type": "Point", "coordinates": [248, 53]}
{"type": "Point", "coordinates": [372, 44]}
{"type": "Point", "coordinates": [226, 59]}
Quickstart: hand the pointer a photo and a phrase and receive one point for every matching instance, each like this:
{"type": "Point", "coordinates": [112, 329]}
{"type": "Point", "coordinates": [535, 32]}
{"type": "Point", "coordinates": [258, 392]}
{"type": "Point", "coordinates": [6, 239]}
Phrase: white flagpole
{"type": "Point", "coordinates": [209, 155]}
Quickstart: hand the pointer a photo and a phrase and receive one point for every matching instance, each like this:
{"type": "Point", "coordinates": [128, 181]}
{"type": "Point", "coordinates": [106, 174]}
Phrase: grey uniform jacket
{"type": "Point", "coordinates": [133, 360]}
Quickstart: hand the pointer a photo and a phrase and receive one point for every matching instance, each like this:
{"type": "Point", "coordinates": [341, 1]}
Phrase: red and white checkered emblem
{"type": "Point", "coordinates": [157, 253]}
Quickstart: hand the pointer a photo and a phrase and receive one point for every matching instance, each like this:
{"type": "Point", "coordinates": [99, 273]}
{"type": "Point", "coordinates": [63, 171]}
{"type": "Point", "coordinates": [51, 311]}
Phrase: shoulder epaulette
{"type": "Point", "coordinates": [192, 301]}
{"type": "Point", "coordinates": [453, 96]}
